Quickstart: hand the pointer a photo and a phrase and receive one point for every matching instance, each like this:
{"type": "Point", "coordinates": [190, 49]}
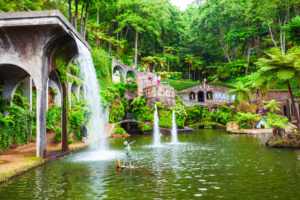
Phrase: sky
{"type": "Point", "coordinates": [181, 3]}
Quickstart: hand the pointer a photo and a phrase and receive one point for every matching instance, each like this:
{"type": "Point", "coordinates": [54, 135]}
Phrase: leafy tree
{"type": "Point", "coordinates": [280, 67]}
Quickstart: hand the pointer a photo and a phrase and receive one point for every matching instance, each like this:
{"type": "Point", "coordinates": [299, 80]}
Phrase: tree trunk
{"type": "Point", "coordinates": [195, 75]}
{"type": "Point", "coordinates": [112, 26]}
{"type": "Point", "coordinates": [97, 15]}
{"type": "Point", "coordinates": [136, 47]}
{"type": "Point", "coordinates": [294, 104]}
{"type": "Point", "coordinates": [153, 45]}
{"type": "Point", "coordinates": [257, 41]}
{"type": "Point", "coordinates": [81, 20]}
{"type": "Point", "coordinates": [70, 11]}
{"type": "Point", "coordinates": [126, 32]}
{"type": "Point", "coordinates": [163, 45]}
{"type": "Point", "coordinates": [223, 43]}
{"type": "Point", "coordinates": [76, 14]}
{"type": "Point", "coordinates": [86, 19]}
{"type": "Point", "coordinates": [189, 72]}
{"type": "Point", "coordinates": [248, 59]}
{"type": "Point", "coordinates": [270, 30]}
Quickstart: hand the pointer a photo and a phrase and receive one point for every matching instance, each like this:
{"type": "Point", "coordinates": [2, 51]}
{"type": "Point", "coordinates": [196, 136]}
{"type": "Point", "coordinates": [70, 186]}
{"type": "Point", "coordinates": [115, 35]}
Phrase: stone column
{"type": "Point", "coordinates": [41, 101]}
{"type": "Point", "coordinates": [69, 86]}
{"type": "Point", "coordinates": [27, 90]}
{"type": "Point", "coordinates": [47, 91]}
{"type": "Point", "coordinates": [139, 84]}
{"type": "Point", "coordinates": [204, 94]}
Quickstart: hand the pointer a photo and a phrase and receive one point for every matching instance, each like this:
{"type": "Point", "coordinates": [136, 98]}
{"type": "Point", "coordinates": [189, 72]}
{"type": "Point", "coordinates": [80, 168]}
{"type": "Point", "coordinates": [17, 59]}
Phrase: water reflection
{"type": "Point", "coordinates": [208, 164]}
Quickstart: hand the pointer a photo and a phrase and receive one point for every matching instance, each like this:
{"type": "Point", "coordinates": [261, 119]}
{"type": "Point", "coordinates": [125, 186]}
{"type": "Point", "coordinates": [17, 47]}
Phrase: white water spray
{"type": "Point", "coordinates": [156, 133]}
{"type": "Point", "coordinates": [174, 129]}
{"type": "Point", "coordinates": [88, 73]}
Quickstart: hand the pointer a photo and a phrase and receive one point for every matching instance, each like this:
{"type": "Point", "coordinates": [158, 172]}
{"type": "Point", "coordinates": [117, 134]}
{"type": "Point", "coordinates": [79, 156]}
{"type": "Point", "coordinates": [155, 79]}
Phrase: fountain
{"type": "Point", "coordinates": [174, 129]}
{"type": "Point", "coordinates": [156, 133]}
{"type": "Point", "coordinates": [88, 73]}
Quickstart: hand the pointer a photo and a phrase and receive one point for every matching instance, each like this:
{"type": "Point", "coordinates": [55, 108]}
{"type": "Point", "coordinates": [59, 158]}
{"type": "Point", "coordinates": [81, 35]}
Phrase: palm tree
{"type": "Point", "coordinates": [242, 92]}
{"type": "Point", "coordinates": [189, 59]}
{"type": "Point", "coordinates": [149, 60]}
{"type": "Point", "coordinates": [281, 67]}
{"type": "Point", "coordinates": [273, 105]}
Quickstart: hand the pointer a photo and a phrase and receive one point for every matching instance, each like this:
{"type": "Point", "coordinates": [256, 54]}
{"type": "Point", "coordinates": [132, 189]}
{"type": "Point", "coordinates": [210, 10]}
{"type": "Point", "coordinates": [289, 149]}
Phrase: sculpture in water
{"type": "Point", "coordinates": [127, 152]}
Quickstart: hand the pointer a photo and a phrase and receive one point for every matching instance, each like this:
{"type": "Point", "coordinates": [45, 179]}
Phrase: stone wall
{"type": "Point", "coordinates": [158, 93]}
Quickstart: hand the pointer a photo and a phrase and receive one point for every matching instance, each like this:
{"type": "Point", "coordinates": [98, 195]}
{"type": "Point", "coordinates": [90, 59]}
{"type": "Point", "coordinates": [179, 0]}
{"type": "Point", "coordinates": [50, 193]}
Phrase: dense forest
{"type": "Point", "coordinates": [213, 39]}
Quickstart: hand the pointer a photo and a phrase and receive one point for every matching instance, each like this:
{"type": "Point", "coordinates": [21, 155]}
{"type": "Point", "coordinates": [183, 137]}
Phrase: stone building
{"type": "Point", "coordinates": [158, 93]}
{"type": "Point", "coordinates": [210, 96]}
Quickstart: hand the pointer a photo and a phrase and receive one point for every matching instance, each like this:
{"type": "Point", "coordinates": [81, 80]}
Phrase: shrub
{"type": "Point", "coordinates": [145, 127]}
{"type": "Point", "coordinates": [118, 130]}
{"type": "Point", "coordinates": [70, 141]}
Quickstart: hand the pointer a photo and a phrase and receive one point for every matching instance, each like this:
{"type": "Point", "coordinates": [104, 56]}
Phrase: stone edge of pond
{"type": "Point", "coordinates": [11, 174]}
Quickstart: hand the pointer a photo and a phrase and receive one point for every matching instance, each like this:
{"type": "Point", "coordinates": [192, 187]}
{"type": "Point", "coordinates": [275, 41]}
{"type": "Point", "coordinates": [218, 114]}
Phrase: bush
{"type": "Point", "coordinates": [57, 135]}
{"type": "Point", "coordinates": [118, 130]}
{"type": "Point", "coordinates": [70, 141]}
{"type": "Point", "coordinates": [145, 127]}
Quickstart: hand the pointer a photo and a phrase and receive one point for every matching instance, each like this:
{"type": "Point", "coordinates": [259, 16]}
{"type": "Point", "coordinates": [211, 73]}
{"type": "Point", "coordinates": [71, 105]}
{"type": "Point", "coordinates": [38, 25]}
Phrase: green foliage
{"type": "Point", "coordinates": [15, 127]}
{"type": "Point", "coordinates": [102, 63]}
{"type": "Point", "coordinates": [145, 127]}
{"type": "Point", "coordinates": [73, 69]}
{"type": "Point", "coordinates": [53, 116]}
{"type": "Point", "coordinates": [242, 92]}
{"type": "Point", "coordinates": [181, 85]}
{"type": "Point", "coordinates": [165, 118]}
{"type": "Point", "coordinates": [224, 114]}
{"type": "Point", "coordinates": [78, 115]}
{"type": "Point", "coordinates": [61, 66]}
{"type": "Point", "coordinates": [293, 30]}
{"type": "Point", "coordinates": [219, 83]}
{"type": "Point", "coordinates": [58, 132]}
{"type": "Point", "coordinates": [70, 140]}
{"type": "Point", "coordinates": [246, 120]}
{"type": "Point", "coordinates": [117, 111]}
{"type": "Point", "coordinates": [118, 130]}
{"type": "Point", "coordinates": [194, 114]}
{"type": "Point", "coordinates": [116, 91]}
{"type": "Point", "coordinates": [275, 121]}
{"type": "Point", "coordinates": [273, 105]}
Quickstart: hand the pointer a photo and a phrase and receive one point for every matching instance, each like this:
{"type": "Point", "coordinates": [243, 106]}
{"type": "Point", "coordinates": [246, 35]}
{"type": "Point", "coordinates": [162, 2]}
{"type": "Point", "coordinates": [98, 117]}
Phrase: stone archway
{"type": "Point", "coordinates": [135, 76]}
{"type": "Point", "coordinates": [192, 96]}
{"type": "Point", "coordinates": [209, 95]}
{"type": "Point", "coordinates": [201, 96]}
{"type": "Point", "coordinates": [121, 70]}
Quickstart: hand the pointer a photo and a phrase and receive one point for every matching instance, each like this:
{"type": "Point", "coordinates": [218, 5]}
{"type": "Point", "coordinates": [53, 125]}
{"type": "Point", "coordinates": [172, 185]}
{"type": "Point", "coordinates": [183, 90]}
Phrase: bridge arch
{"type": "Point", "coordinates": [122, 71]}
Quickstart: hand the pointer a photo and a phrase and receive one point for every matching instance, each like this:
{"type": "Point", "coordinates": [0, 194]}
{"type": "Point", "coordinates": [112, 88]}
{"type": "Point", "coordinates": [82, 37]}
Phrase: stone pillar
{"type": "Point", "coordinates": [47, 93]}
{"type": "Point", "coordinates": [140, 84]}
{"type": "Point", "coordinates": [75, 90]}
{"type": "Point", "coordinates": [41, 102]}
{"type": "Point", "coordinates": [27, 90]}
{"type": "Point", "coordinates": [69, 86]}
{"type": "Point", "coordinates": [204, 94]}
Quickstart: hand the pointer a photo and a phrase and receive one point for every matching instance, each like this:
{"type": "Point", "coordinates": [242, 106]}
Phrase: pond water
{"type": "Point", "coordinates": [208, 164]}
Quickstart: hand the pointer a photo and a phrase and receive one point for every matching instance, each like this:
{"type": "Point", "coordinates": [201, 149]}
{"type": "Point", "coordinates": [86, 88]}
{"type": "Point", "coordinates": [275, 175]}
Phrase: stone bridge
{"type": "Point", "coordinates": [133, 121]}
{"type": "Point", "coordinates": [124, 69]}
{"type": "Point", "coordinates": [31, 44]}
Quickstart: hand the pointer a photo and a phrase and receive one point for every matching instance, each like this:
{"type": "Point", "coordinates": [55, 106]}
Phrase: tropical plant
{"type": "Point", "coordinates": [280, 67]}
{"type": "Point", "coordinates": [272, 105]}
{"type": "Point", "coordinates": [241, 91]}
